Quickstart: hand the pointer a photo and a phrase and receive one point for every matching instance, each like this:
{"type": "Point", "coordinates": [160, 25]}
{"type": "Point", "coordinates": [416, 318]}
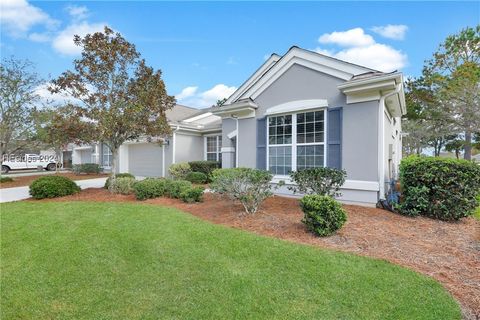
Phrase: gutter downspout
{"type": "Point", "coordinates": [173, 143]}
{"type": "Point", "coordinates": [381, 140]}
{"type": "Point", "coordinates": [236, 141]}
{"type": "Point", "coordinates": [163, 158]}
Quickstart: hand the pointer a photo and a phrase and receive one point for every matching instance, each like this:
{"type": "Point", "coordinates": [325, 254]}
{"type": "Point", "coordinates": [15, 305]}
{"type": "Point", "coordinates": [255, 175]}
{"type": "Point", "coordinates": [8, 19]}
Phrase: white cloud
{"type": "Point", "coordinates": [63, 42]}
{"type": "Point", "coordinates": [392, 31]}
{"type": "Point", "coordinates": [40, 37]}
{"type": "Point", "coordinates": [360, 48]}
{"type": "Point", "coordinates": [55, 99]}
{"type": "Point", "coordinates": [17, 17]}
{"type": "Point", "coordinates": [191, 97]}
{"type": "Point", "coordinates": [77, 12]}
{"type": "Point", "coordinates": [350, 38]}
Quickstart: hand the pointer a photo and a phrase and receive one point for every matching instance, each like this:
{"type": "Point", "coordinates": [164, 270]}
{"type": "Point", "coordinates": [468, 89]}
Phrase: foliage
{"type": "Point", "coordinates": [87, 168]}
{"type": "Point", "coordinates": [440, 188]}
{"type": "Point", "coordinates": [52, 187]}
{"type": "Point", "coordinates": [118, 175]}
{"type": "Point", "coordinates": [206, 167]}
{"type": "Point", "coordinates": [123, 185]}
{"type": "Point", "coordinates": [321, 181]}
{"type": "Point", "coordinates": [249, 186]}
{"type": "Point", "coordinates": [455, 144]}
{"type": "Point", "coordinates": [150, 188]}
{"type": "Point", "coordinates": [176, 187]}
{"type": "Point", "coordinates": [196, 177]}
{"type": "Point", "coordinates": [123, 97]}
{"type": "Point", "coordinates": [192, 194]}
{"type": "Point", "coordinates": [18, 101]}
{"type": "Point", "coordinates": [323, 215]}
{"type": "Point", "coordinates": [180, 170]}
{"type": "Point", "coordinates": [5, 179]}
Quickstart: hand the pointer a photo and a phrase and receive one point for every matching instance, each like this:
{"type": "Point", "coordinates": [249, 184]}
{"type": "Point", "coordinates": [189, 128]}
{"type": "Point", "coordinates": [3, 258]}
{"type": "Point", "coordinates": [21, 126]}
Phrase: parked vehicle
{"type": "Point", "coordinates": [28, 161]}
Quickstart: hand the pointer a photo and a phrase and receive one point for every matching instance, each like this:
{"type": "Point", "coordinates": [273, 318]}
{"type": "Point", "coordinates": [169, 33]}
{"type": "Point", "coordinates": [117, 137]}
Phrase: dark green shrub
{"type": "Point", "coordinates": [150, 188]}
{"type": "Point", "coordinates": [118, 175]}
{"type": "Point", "coordinates": [87, 168]}
{"type": "Point", "coordinates": [193, 194]}
{"type": "Point", "coordinates": [249, 186]}
{"type": "Point", "coordinates": [205, 167]}
{"type": "Point", "coordinates": [439, 188]}
{"type": "Point", "coordinates": [5, 179]}
{"type": "Point", "coordinates": [321, 181]}
{"type": "Point", "coordinates": [323, 215]}
{"type": "Point", "coordinates": [123, 185]}
{"type": "Point", "coordinates": [179, 171]}
{"type": "Point", "coordinates": [196, 177]}
{"type": "Point", "coordinates": [52, 187]}
{"type": "Point", "coordinates": [176, 187]}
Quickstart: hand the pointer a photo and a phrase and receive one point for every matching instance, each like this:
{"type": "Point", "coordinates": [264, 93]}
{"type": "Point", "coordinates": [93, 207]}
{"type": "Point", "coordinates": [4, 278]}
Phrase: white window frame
{"type": "Point", "coordinates": [110, 155]}
{"type": "Point", "coordinates": [294, 144]}
{"type": "Point", "coordinates": [218, 152]}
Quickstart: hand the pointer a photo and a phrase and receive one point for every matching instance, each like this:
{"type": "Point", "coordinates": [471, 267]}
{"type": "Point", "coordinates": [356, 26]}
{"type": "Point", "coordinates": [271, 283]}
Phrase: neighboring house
{"type": "Point", "coordinates": [296, 111]}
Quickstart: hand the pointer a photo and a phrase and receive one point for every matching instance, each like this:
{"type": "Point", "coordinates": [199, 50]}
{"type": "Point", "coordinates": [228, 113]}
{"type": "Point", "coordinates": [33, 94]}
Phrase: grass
{"type": "Point", "coordinates": [83, 260]}
{"type": "Point", "coordinates": [5, 179]}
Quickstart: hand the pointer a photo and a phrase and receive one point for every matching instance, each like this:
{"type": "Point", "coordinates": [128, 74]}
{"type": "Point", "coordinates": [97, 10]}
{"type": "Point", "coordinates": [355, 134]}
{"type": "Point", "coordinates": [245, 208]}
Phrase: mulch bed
{"type": "Point", "coordinates": [448, 252]}
{"type": "Point", "coordinates": [22, 181]}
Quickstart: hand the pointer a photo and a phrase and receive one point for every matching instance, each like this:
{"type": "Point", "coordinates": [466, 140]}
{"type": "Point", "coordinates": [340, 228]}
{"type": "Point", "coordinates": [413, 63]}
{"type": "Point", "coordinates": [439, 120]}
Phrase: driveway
{"type": "Point", "coordinates": [21, 193]}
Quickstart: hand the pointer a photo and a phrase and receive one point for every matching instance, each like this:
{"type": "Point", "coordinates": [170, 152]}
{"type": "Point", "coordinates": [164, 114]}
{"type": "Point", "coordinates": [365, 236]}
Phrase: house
{"type": "Point", "coordinates": [299, 110]}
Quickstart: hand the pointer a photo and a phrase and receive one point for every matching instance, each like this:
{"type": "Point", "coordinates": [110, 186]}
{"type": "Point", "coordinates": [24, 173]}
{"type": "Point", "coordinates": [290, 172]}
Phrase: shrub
{"type": "Point", "coordinates": [5, 179]}
{"type": "Point", "coordinates": [323, 215]}
{"type": "Point", "coordinates": [249, 186]}
{"type": "Point", "coordinates": [123, 185]}
{"type": "Point", "coordinates": [193, 194]}
{"type": "Point", "coordinates": [150, 188]}
{"type": "Point", "coordinates": [118, 175]}
{"type": "Point", "coordinates": [440, 188]}
{"type": "Point", "coordinates": [205, 167]}
{"type": "Point", "coordinates": [176, 187]}
{"type": "Point", "coordinates": [196, 177]}
{"type": "Point", "coordinates": [52, 187]}
{"type": "Point", "coordinates": [87, 168]}
{"type": "Point", "coordinates": [179, 171]}
{"type": "Point", "coordinates": [321, 181]}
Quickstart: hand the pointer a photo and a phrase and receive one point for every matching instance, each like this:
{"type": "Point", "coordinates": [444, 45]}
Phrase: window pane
{"type": "Point", "coordinates": [212, 156]}
{"type": "Point", "coordinates": [280, 130]}
{"type": "Point", "coordinates": [309, 117]}
{"type": "Point", "coordinates": [280, 159]}
{"type": "Point", "coordinates": [310, 156]}
{"type": "Point", "coordinates": [309, 138]}
{"type": "Point", "coordinates": [300, 117]}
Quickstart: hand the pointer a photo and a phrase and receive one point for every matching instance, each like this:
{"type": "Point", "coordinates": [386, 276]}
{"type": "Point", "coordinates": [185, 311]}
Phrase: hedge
{"type": "Point", "coordinates": [159, 187]}
{"type": "Point", "coordinates": [118, 175]}
{"type": "Point", "coordinates": [196, 177]}
{"type": "Point", "coordinates": [323, 215]}
{"type": "Point", "coordinates": [86, 168]}
{"type": "Point", "coordinates": [439, 188]}
{"type": "Point", "coordinates": [205, 167]}
{"type": "Point", "coordinates": [52, 187]}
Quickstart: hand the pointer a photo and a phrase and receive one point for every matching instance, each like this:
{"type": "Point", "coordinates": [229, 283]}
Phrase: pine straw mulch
{"type": "Point", "coordinates": [448, 252]}
{"type": "Point", "coordinates": [21, 181]}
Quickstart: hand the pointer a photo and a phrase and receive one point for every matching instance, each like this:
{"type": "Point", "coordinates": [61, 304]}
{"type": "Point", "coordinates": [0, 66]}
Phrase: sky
{"type": "Point", "coordinates": [208, 49]}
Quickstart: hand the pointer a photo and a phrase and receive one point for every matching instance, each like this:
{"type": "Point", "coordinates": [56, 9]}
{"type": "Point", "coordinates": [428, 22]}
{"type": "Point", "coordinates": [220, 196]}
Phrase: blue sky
{"type": "Point", "coordinates": [207, 49]}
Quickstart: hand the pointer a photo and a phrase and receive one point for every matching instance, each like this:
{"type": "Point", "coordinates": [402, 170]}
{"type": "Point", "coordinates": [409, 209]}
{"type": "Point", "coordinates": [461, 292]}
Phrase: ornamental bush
{"type": "Point", "coordinates": [196, 177]}
{"type": "Point", "coordinates": [179, 171]}
{"type": "Point", "coordinates": [193, 194]}
{"type": "Point", "coordinates": [176, 187]}
{"type": "Point", "coordinates": [323, 215]}
{"type": "Point", "coordinates": [150, 188]}
{"type": "Point", "coordinates": [52, 187]}
{"type": "Point", "coordinates": [439, 188]}
{"type": "Point", "coordinates": [118, 175]}
{"type": "Point", "coordinates": [321, 181]}
{"type": "Point", "coordinates": [249, 186]}
{"type": "Point", "coordinates": [5, 179]}
{"type": "Point", "coordinates": [123, 185]}
{"type": "Point", "coordinates": [87, 168]}
{"type": "Point", "coordinates": [205, 167]}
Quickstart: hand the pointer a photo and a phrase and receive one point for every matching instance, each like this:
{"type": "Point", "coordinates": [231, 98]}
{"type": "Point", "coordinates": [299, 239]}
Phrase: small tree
{"type": "Point", "coordinates": [120, 94]}
{"type": "Point", "coordinates": [320, 181]}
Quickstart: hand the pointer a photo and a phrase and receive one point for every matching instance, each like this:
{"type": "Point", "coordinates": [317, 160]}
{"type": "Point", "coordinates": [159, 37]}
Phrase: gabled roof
{"type": "Point", "coordinates": [180, 112]}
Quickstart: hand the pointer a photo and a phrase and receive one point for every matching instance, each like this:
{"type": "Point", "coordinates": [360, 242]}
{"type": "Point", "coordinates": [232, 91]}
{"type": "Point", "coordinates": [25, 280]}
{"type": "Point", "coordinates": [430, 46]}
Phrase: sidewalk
{"type": "Point", "coordinates": [21, 193]}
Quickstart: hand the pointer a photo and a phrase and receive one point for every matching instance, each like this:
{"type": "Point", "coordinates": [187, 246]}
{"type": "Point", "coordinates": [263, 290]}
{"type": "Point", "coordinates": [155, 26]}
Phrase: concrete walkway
{"type": "Point", "coordinates": [21, 193]}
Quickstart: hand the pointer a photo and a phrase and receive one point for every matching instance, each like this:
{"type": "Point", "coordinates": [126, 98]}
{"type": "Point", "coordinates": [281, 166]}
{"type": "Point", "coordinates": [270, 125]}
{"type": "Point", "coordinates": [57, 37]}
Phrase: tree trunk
{"type": "Point", "coordinates": [114, 168]}
{"type": "Point", "coordinates": [468, 146]}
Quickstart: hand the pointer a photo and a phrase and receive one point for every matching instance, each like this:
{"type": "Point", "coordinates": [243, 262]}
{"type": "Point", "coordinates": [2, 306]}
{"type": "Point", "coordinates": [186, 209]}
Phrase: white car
{"type": "Point", "coordinates": [28, 161]}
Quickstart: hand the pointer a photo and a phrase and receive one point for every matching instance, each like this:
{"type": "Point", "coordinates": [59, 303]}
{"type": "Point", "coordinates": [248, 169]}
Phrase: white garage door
{"type": "Point", "coordinates": [145, 159]}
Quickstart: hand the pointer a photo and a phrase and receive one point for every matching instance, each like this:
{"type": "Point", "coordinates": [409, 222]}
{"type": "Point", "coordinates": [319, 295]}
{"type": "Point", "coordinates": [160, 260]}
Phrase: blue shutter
{"type": "Point", "coordinates": [262, 143]}
{"type": "Point", "coordinates": [334, 138]}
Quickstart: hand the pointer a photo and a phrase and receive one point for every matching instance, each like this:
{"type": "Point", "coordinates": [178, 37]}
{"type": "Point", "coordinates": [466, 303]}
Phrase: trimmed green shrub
{"type": "Point", "coordinates": [323, 215]}
{"type": "Point", "coordinates": [87, 168]}
{"type": "Point", "coordinates": [439, 188]}
{"type": "Point", "coordinates": [176, 187]}
{"type": "Point", "coordinates": [118, 175]}
{"type": "Point", "coordinates": [5, 179]}
{"type": "Point", "coordinates": [193, 194]}
{"type": "Point", "coordinates": [196, 177]}
{"type": "Point", "coordinates": [249, 186]}
{"type": "Point", "coordinates": [123, 185]}
{"type": "Point", "coordinates": [150, 188]}
{"type": "Point", "coordinates": [205, 167]}
{"type": "Point", "coordinates": [321, 181]}
{"type": "Point", "coordinates": [52, 187]}
{"type": "Point", "coordinates": [179, 171]}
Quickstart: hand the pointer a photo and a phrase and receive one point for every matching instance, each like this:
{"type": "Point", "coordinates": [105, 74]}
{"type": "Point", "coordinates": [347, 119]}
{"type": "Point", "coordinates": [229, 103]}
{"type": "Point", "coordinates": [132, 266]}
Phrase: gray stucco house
{"type": "Point", "coordinates": [299, 110]}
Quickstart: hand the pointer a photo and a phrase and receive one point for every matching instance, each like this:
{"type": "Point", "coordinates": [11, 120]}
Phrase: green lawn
{"type": "Point", "coordinates": [130, 261]}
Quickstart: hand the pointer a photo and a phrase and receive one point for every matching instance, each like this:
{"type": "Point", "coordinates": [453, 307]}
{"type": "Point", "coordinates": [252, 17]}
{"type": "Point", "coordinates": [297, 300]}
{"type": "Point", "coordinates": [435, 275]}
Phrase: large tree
{"type": "Point", "coordinates": [18, 102]}
{"type": "Point", "coordinates": [120, 94]}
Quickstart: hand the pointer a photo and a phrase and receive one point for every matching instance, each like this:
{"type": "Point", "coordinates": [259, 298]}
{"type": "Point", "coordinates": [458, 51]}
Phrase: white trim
{"type": "Point", "coordinates": [348, 185]}
{"type": "Point", "coordinates": [173, 144]}
{"type": "Point", "coordinates": [297, 106]}
{"type": "Point", "coordinates": [217, 142]}
{"type": "Point", "coordinates": [227, 149]}
{"type": "Point", "coordinates": [232, 134]}
{"type": "Point", "coordinates": [163, 160]}
{"type": "Point", "coordinates": [236, 145]}
{"type": "Point", "coordinates": [199, 117]}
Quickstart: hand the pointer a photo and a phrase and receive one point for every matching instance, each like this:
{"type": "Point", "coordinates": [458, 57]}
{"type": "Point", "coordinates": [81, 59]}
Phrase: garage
{"type": "Point", "coordinates": [145, 159]}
